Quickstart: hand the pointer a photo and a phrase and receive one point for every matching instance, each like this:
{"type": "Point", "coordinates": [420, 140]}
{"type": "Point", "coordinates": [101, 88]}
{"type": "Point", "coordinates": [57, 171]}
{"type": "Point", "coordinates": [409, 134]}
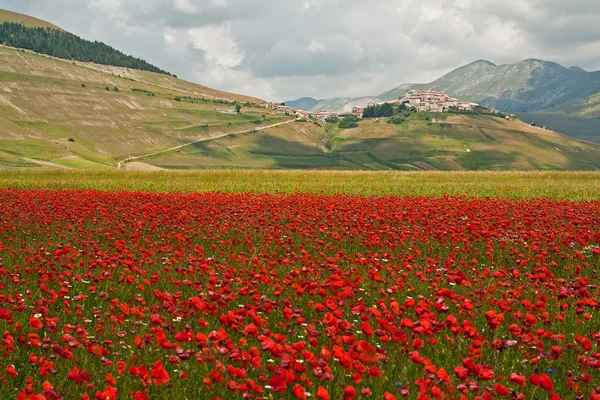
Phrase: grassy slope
{"type": "Point", "coordinates": [43, 104]}
{"type": "Point", "coordinates": [457, 143]}
{"type": "Point", "coordinates": [30, 22]}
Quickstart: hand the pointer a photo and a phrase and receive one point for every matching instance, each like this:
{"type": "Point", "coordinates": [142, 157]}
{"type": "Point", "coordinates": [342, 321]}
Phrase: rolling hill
{"type": "Point", "coordinates": [72, 114]}
{"type": "Point", "coordinates": [25, 20]}
{"type": "Point", "coordinates": [458, 142]}
{"type": "Point", "coordinates": [58, 113]}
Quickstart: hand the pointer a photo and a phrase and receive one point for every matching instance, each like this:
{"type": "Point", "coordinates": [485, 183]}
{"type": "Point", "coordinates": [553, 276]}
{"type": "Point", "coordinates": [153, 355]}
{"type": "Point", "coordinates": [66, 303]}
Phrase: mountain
{"type": "Point", "coordinates": [304, 103]}
{"type": "Point", "coordinates": [342, 104]}
{"type": "Point", "coordinates": [531, 85]}
{"type": "Point", "coordinates": [57, 113]}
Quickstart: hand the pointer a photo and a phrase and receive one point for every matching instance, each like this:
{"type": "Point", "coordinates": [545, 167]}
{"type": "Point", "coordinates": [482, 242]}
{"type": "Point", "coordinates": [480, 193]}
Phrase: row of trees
{"type": "Point", "coordinates": [68, 46]}
{"type": "Point", "coordinates": [383, 110]}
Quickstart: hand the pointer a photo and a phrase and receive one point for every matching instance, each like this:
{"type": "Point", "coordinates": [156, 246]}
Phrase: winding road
{"type": "Point", "coordinates": [214, 136]}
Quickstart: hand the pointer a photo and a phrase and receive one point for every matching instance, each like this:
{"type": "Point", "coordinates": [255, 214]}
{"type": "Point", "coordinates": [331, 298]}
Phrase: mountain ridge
{"type": "Point", "coordinates": [57, 113]}
{"type": "Point", "coordinates": [529, 85]}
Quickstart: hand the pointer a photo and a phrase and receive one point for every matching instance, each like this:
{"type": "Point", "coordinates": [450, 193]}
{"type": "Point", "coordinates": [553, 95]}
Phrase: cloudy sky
{"type": "Point", "coordinates": [285, 49]}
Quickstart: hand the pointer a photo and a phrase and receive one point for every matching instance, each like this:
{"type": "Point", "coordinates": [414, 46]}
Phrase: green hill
{"type": "Point", "coordinates": [457, 142]}
{"type": "Point", "coordinates": [25, 20]}
{"type": "Point", "coordinates": [41, 37]}
{"type": "Point", "coordinates": [61, 113]}
{"type": "Point", "coordinates": [57, 113]}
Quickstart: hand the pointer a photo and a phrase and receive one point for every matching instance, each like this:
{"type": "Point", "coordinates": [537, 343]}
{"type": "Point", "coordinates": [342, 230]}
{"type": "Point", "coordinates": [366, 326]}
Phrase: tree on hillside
{"type": "Point", "coordinates": [379, 111]}
{"type": "Point", "coordinates": [238, 108]}
{"type": "Point", "coordinates": [68, 46]}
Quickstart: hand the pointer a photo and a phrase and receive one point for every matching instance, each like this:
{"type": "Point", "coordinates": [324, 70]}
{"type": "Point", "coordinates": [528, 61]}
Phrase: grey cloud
{"type": "Point", "coordinates": [282, 49]}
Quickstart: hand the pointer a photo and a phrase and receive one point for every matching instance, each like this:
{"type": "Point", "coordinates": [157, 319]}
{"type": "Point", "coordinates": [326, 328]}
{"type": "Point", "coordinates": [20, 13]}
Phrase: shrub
{"type": "Point", "coordinates": [396, 120]}
{"type": "Point", "coordinates": [348, 123]}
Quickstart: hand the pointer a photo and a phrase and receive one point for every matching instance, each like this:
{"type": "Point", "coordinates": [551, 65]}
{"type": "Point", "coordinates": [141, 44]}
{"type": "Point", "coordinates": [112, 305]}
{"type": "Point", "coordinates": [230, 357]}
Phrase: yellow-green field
{"type": "Point", "coordinates": [514, 185]}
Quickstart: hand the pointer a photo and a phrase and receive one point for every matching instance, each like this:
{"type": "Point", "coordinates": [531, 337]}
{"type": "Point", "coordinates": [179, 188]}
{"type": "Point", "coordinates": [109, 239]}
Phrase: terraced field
{"type": "Point", "coordinates": [54, 112]}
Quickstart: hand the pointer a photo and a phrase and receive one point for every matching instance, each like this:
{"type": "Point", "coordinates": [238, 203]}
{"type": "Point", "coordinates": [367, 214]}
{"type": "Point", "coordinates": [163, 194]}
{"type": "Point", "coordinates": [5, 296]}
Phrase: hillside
{"type": "Point", "coordinates": [459, 142]}
{"type": "Point", "coordinates": [41, 37]}
{"type": "Point", "coordinates": [573, 126]}
{"type": "Point", "coordinates": [60, 113]}
{"type": "Point", "coordinates": [585, 107]}
{"type": "Point", "coordinates": [57, 113]}
{"type": "Point", "coordinates": [73, 114]}
{"type": "Point", "coordinates": [25, 20]}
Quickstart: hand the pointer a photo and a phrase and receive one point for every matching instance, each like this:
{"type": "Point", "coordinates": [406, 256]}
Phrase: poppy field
{"type": "Point", "coordinates": [116, 295]}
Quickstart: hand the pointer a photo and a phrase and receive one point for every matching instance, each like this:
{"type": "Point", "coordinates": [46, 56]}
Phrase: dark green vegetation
{"type": "Point", "coordinates": [65, 45]}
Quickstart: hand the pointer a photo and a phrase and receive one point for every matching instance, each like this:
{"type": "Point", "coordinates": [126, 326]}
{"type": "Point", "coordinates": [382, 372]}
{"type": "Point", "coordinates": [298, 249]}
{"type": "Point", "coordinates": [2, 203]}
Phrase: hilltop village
{"type": "Point", "coordinates": [416, 100]}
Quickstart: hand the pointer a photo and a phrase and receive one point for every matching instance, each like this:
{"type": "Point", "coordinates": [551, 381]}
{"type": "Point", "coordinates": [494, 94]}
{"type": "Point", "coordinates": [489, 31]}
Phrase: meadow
{"type": "Point", "coordinates": [295, 285]}
{"type": "Point", "coordinates": [511, 185]}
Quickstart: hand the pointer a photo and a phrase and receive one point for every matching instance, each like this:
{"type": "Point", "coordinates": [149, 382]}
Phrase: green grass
{"type": "Point", "coordinates": [516, 185]}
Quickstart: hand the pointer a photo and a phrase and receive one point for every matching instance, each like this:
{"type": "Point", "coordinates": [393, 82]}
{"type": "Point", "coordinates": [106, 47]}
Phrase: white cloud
{"type": "Point", "coordinates": [107, 4]}
{"type": "Point", "coordinates": [316, 47]}
{"type": "Point", "coordinates": [218, 44]}
{"type": "Point", "coordinates": [283, 49]}
{"type": "Point", "coordinates": [185, 6]}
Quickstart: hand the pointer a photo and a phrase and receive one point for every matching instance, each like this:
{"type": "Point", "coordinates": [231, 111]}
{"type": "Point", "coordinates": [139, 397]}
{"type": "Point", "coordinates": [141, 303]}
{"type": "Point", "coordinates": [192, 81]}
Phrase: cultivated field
{"type": "Point", "coordinates": [513, 185]}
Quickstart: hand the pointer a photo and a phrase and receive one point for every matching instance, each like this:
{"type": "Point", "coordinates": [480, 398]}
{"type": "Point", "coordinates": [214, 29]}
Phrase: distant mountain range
{"type": "Point", "coordinates": [529, 86]}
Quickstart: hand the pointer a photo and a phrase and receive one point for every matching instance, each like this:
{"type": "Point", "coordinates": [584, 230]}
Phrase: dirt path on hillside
{"type": "Point", "coordinates": [214, 136]}
{"type": "Point", "coordinates": [46, 163]}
